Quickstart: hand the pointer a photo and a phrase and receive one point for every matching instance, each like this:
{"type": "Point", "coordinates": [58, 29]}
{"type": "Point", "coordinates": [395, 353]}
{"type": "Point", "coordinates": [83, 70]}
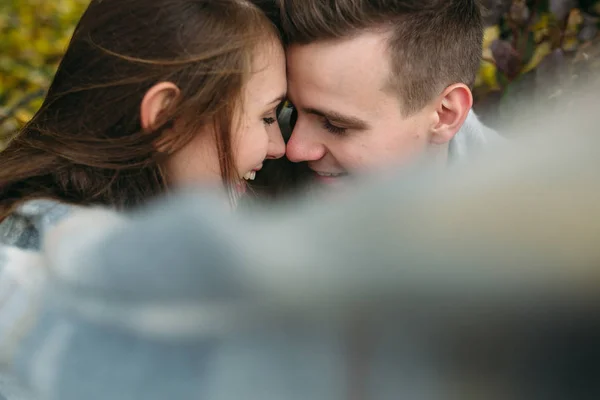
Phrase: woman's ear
{"type": "Point", "coordinates": [155, 102]}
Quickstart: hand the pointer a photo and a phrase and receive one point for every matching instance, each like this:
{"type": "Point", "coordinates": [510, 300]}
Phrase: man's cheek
{"type": "Point", "coordinates": [358, 158]}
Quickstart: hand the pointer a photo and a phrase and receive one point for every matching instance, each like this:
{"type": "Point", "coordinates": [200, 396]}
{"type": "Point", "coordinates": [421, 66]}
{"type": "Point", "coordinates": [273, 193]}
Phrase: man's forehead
{"type": "Point", "coordinates": [345, 67]}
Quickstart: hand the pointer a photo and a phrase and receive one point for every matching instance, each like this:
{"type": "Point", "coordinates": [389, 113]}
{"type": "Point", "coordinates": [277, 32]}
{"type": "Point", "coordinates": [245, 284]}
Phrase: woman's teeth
{"type": "Point", "coordinates": [250, 175]}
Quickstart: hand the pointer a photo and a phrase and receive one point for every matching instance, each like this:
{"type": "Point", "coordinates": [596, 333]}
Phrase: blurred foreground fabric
{"type": "Point", "coordinates": [480, 281]}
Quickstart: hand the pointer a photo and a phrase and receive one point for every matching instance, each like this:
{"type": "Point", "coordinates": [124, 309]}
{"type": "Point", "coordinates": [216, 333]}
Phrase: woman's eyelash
{"type": "Point", "coordinates": [336, 130]}
{"type": "Point", "coordinates": [269, 120]}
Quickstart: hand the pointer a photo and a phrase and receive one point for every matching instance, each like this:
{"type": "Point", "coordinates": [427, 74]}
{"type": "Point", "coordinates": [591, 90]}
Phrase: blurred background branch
{"type": "Point", "coordinates": [535, 50]}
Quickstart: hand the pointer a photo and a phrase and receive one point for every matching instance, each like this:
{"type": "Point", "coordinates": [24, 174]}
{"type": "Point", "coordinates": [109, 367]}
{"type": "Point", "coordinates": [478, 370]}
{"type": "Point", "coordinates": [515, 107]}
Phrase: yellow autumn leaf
{"type": "Point", "coordinates": [540, 28]}
{"type": "Point", "coordinates": [42, 46]}
{"type": "Point", "coordinates": [23, 116]}
{"type": "Point", "coordinates": [37, 103]}
{"type": "Point", "coordinates": [487, 54]}
{"type": "Point", "coordinates": [490, 34]}
{"type": "Point", "coordinates": [540, 52]}
{"type": "Point", "coordinates": [487, 74]}
{"type": "Point", "coordinates": [542, 22]}
{"type": "Point", "coordinates": [575, 19]}
{"type": "Point", "coordinates": [26, 18]}
{"type": "Point", "coordinates": [62, 43]}
{"type": "Point", "coordinates": [570, 43]}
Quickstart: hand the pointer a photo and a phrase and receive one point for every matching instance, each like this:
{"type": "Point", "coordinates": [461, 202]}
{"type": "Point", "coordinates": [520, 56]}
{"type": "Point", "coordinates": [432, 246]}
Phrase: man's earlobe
{"type": "Point", "coordinates": [454, 105]}
{"type": "Point", "coordinates": [155, 103]}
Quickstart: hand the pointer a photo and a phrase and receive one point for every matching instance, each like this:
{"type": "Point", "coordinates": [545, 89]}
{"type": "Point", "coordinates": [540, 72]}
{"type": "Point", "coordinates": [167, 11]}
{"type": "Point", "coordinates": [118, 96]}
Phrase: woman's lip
{"type": "Point", "coordinates": [258, 168]}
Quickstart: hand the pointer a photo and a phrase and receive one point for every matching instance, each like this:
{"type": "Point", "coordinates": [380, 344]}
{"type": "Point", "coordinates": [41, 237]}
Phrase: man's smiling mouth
{"type": "Point", "coordinates": [329, 177]}
{"type": "Point", "coordinates": [331, 174]}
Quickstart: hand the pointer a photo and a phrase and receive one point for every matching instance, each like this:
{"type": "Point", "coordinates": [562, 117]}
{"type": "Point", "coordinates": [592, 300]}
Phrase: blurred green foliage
{"type": "Point", "coordinates": [527, 42]}
{"type": "Point", "coordinates": [34, 35]}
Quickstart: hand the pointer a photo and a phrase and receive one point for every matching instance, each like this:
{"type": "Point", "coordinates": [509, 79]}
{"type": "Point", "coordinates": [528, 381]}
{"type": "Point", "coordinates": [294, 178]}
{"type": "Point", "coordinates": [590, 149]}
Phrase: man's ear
{"type": "Point", "coordinates": [453, 106]}
{"type": "Point", "coordinates": [155, 102]}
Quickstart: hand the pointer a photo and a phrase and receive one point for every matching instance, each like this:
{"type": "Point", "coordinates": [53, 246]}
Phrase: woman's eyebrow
{"type": "Point", "coordinates": [278, 99]}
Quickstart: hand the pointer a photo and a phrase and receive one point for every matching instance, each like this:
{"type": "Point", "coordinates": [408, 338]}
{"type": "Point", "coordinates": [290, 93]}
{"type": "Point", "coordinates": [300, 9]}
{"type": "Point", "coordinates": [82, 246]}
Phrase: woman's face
{"type": "Point", "coordinates": [255, 137]}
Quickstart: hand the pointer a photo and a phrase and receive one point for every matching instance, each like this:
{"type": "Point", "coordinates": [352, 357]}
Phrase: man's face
{"type": "Point", "coordinates": [348, 118]}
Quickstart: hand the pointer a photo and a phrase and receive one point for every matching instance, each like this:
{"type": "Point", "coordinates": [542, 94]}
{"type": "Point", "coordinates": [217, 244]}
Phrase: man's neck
{"type": "Point", "coordinates": [437, 154]}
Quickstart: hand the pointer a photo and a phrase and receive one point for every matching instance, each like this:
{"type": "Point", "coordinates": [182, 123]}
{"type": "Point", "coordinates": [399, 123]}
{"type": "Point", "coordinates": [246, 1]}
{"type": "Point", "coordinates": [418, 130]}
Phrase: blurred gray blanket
{"type": "Point", "coordinates": [399, 288]}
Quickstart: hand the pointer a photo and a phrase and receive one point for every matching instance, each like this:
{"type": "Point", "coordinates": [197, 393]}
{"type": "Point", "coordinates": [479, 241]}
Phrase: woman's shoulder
{"type": "Point", "coordinates": [21, 230]}
{"type": "Point", "coordinates": [25, 225]}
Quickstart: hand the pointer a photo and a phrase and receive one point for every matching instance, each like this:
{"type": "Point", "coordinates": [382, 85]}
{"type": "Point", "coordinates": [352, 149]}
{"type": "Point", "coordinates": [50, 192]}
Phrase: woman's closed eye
{"type": "Point", "coordinates": [269, 120]}
{"type": "Point", "coordinates": [270, 117]}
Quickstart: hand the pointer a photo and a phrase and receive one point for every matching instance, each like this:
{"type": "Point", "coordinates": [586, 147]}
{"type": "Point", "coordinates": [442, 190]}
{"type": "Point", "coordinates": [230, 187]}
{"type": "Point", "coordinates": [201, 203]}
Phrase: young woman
{"type": "Point", "coordinates": [152, 94]}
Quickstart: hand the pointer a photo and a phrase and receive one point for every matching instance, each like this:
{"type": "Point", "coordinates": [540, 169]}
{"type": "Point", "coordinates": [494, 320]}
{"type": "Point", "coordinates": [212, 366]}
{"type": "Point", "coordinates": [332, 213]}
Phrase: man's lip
{"type": "Point", "coordinates": [336, 174]}
{"type": "Point", "coordinates": [328, 179]}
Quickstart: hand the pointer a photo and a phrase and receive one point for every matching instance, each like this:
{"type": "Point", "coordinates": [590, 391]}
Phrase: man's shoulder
{"type": "Point", "coordinates": [473, 136]}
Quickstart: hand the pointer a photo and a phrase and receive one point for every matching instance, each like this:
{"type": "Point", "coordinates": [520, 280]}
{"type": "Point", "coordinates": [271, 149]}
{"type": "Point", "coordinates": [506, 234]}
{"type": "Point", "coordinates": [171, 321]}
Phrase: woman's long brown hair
{"type": "Point", "coordinates": [86, 145]}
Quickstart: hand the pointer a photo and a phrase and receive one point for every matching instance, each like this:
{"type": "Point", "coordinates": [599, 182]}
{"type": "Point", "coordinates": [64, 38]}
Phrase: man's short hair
{"type": "Point", "coordinates": [433, 43]}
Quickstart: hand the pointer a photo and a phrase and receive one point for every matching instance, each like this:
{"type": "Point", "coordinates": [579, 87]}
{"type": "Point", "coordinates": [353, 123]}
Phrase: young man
{"type": "Point", "coordinates": [381, 82]}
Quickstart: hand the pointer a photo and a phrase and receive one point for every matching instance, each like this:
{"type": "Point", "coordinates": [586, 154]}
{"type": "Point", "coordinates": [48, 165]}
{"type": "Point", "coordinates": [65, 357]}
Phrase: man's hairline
{"type": "Point", "coordinates": [388, 86]}
{"type": "Point", "coordinates": [382, 28]}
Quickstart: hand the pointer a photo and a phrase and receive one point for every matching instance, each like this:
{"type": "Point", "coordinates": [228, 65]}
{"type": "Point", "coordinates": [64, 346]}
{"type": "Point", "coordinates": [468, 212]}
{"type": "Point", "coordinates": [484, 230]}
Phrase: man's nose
{"type": "Point", "coordinates": [276, 146]}
{"type": "Point", "coordinates": [304, 146]}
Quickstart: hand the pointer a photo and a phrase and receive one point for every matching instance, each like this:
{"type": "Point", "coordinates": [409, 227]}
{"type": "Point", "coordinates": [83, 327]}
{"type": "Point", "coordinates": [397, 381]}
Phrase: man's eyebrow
{"type": "Point", "coordinates": [345, 121]}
